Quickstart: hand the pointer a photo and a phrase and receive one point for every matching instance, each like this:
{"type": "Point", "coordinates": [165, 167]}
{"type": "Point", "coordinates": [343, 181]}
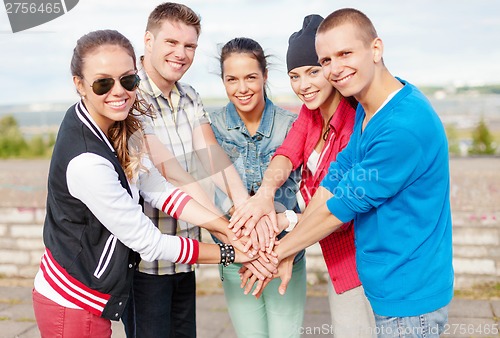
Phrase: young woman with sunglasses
{"type": "Point", "coordinates": [94, 224]}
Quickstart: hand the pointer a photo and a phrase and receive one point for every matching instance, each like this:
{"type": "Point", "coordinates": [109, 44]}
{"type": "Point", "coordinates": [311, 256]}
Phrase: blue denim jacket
{"type": "Point", "coordinates": [251, 155]}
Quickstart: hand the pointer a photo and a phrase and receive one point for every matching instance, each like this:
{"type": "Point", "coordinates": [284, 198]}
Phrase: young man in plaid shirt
{"type": "Point", "coordinates": [164, 292]}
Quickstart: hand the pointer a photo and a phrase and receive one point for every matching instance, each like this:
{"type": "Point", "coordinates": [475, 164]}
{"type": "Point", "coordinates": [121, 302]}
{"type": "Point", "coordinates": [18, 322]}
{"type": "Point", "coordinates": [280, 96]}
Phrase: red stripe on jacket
{"type": "Point", "coordinates": [190, 250]}
{"type": "Point", "coordinates": [176, 197]}
{"type": "Point", "coordinates": [70, 288]}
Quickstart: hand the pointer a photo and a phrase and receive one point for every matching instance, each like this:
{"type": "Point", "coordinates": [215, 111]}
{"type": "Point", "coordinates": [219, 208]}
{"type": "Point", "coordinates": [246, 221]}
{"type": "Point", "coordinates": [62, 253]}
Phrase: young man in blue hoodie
{"type": "Point", "coordinates": [392, 179]}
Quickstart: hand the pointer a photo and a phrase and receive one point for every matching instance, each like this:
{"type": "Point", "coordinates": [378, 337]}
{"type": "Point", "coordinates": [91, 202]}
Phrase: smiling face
{"type": "Point", "coordinates": [169, 52]}
{"type": "Point", "coordinates": [312, 88]}
{"type": "Point", "coordinates": [244, 83]}
{"type": "Point", "coordinates": [106, 61]}
{"type": "Point", "coordinates": [349, 62]}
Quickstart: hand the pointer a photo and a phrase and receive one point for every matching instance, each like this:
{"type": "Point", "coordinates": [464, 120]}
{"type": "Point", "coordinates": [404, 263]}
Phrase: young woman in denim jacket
{"type": "Point", "coordinates": [321, 131]}
{"type": "Point", "coordinates": [250, 128]}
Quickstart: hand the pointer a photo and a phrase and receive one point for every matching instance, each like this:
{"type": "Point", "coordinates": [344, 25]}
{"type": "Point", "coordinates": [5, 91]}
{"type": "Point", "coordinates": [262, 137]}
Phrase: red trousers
{"type": "Point", "coordinates": [56, 321]}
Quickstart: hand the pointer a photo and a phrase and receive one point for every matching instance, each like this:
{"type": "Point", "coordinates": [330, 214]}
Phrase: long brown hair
{"type": "Point", "coordinates": [128, 138]}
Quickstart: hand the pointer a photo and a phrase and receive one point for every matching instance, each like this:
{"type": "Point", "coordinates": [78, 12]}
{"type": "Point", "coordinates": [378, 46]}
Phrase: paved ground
{"type": "Point", "coordinates": [468, 318]}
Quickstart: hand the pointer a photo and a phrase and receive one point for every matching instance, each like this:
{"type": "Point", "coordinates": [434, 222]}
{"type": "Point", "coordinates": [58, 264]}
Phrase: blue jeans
{"type": "Point", "coordinates": [162, 306]}
{"type": "Point", "coordinates": [423, 326]}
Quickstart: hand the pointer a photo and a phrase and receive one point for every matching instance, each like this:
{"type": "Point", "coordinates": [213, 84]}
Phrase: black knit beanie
{"type": "Point", "coordinates": [301, 50]}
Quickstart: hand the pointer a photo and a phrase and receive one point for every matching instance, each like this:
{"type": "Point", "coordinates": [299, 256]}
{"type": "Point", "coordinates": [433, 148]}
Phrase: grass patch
{"type": "Point", "coordinates": [466, 134]}
{"type": "Point", "coordinates": [10, 301]}
{"type": "Point", "coordinates": [480, 291]}
{"type": "Point", "coordinates": [25, 320]}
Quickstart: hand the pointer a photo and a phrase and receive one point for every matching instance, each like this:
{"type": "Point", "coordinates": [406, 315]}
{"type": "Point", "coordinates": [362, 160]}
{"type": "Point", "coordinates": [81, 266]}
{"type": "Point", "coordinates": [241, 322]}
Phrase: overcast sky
{"type": "Point", "coordinates": [426, 41]}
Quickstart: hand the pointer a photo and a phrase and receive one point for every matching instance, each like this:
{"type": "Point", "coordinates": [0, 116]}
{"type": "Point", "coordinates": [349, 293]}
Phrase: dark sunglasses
{"type": "Point", "coordinates": [102, 86]}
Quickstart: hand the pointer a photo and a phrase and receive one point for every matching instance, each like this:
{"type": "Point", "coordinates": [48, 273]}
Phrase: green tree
{"type": "Point", "coordinates": [482, 140]}
{"type": "Point", "coordinates": [12, 143]}
{"type": "Point", "coordinates": [37, 146]}
{"type": "Point", "coordinates": [453, 140]}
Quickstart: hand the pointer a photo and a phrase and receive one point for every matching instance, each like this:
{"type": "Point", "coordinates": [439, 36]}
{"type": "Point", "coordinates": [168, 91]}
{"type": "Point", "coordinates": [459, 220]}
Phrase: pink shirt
{"type": "Point", "coordinates": [338, 248]}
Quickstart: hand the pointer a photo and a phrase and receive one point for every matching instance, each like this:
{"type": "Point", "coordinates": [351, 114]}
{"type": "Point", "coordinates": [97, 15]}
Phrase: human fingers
{"type": "Point", "coordinates": [250, 284]}
{"type": "Point", "coordinates": [245, 275]}
{"type": "Point", "coordinates": [259, 288]}
{"type": "Point", "coordinates": [239, 218]}
{"type": "Point", "coordinates": [262, 234]}
{"type": "Point", "coordinates": [255, 240]}
{"type": "Point", "coordinates": [274, 221]}
{"type": "Point", "coordinates": [285, 273]}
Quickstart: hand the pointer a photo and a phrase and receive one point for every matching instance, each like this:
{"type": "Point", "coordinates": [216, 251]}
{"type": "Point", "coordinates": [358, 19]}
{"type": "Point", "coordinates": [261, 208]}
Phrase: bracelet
{"type": "Point", "coordinates": [227, 254]}
{"type": "Point", "coordinates": [292, 219]}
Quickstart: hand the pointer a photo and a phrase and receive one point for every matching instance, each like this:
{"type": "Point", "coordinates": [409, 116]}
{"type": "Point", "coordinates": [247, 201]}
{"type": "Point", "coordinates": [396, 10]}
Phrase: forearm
{"type": "Point", "coordinates": [198, 193]}
{"type": "Point", "coordinates": [262, 202]}
{"type": "Point", "coordinates": [212, 254]}
{"type": "Point", "coordinates": [180, 178]}
{"type": "Point", "coordinates": [198, 215]}
{"type": "Point", "coordinates": [174, 173]}
{"type": "Point", "coordinates": [208, 254]}
{"type": "Point", "coordinates": [230, 183]}
{"type": "Point", "coordinates": [315, 223]}
{"type": "Point", "coordinates": [218, 164]}
{"type": "Point", "coordinates": [275, 175]}
{"type": "Point", "coordinates": [166, 163]}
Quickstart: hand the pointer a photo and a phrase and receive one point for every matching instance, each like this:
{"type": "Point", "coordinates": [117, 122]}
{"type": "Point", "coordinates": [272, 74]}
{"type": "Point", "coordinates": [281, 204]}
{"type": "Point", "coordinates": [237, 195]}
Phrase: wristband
{"type": "Point", "coordinates": [227, 254]}
{"type": "Point", "coordinates": [292, 219]}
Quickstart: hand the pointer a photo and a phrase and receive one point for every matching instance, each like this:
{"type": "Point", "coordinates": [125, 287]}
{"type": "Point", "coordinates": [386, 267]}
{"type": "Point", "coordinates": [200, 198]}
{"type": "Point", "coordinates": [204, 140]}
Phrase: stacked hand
{"type": "Point", "coordinates": [258, 245]}
{"type": "Point", "coordinates": [255, 226]}
{"type": "Point", "coordinates": [247, 215]}
{"type": "Point", "coordinates": [283, 271]}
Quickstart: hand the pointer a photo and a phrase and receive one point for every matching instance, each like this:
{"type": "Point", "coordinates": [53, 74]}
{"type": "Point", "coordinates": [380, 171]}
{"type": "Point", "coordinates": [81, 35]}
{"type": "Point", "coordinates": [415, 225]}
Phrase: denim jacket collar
{"type": "Point", "coordinates": [234, 121]}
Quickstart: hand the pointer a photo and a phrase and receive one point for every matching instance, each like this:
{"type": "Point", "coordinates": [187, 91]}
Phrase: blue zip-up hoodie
{"type": "Point", "coordinates": [393, 180]}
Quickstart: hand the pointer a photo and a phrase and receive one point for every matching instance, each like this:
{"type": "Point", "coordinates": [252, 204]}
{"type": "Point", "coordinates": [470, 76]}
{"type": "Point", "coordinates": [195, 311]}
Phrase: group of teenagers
{"type": "Point", "coordinates": [127, 195]}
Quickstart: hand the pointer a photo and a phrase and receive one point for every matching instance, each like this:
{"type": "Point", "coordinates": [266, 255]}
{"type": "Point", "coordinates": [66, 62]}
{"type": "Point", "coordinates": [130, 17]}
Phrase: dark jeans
{"type": "Point", "coordinates": [163, 306]}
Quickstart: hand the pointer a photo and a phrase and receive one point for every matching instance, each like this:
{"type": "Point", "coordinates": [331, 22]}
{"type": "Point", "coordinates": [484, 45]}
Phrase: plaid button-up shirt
{"type": "Point", "coordinates": [174, 128]}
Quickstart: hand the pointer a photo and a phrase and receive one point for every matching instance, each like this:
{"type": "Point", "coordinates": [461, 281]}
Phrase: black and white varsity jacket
{"type": "Point", "coordinates": [94, 224]}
